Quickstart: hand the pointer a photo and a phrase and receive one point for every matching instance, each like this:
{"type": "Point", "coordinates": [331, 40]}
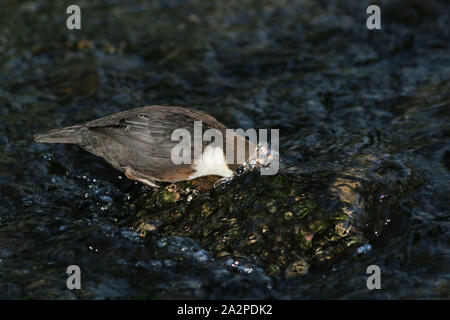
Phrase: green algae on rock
{"type": "Point", "coordinates": [282, 223]}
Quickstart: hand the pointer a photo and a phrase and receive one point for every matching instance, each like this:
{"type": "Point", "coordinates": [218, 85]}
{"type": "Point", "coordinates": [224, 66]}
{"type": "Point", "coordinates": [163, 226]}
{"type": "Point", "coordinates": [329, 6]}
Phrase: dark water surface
{"type": "Point", "coordinates": [364, 119]}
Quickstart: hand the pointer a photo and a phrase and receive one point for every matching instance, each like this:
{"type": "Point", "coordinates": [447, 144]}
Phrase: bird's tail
{"type": "Point", "coordinates": [70, 134]}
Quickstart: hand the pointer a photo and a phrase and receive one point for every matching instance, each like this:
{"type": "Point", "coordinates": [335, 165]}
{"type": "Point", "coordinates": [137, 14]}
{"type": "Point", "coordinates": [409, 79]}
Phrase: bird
{"type": "Point", "coordinates": [139, 143]}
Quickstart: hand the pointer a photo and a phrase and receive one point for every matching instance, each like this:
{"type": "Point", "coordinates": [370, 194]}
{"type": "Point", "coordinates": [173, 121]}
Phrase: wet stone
{"type": "Point", "coordinates": [283, 227]}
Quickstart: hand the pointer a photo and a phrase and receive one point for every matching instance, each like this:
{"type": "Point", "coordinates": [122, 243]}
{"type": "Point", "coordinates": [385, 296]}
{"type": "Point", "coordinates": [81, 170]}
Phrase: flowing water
{"type": "Point", "coordinates": [364, 120]}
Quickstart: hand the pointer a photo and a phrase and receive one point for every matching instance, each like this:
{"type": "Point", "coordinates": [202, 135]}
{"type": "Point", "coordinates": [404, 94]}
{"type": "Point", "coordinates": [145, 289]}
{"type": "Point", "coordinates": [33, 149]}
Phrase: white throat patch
{"type": "Point", "coordinates": [212, 163]}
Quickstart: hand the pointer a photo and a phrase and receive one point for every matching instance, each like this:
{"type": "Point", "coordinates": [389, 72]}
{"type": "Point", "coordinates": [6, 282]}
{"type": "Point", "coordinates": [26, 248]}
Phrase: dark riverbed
{"type": "Point", "coordinates": [364, 119]}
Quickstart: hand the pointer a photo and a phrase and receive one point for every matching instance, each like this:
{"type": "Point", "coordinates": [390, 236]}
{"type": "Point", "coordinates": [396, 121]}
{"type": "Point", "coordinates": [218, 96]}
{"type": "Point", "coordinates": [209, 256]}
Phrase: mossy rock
{"type": "Point", "coordinates": [279, 222]}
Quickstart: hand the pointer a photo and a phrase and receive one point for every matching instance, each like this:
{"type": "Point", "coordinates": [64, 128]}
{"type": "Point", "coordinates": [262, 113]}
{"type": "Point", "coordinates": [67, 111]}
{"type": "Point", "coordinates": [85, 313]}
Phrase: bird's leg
{"type": "Point", "coordinates": [130, 175]}
{"type": "Point", "coordinates": [147, 183]}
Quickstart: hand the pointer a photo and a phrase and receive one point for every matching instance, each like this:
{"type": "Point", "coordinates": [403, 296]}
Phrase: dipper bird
{"type": "Point", "coordinates": [139, 143]}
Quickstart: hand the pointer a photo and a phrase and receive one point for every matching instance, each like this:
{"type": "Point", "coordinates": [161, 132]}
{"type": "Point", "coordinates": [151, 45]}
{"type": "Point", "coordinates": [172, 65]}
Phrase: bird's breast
{"type": "Point", "coordinates": [212, 162]}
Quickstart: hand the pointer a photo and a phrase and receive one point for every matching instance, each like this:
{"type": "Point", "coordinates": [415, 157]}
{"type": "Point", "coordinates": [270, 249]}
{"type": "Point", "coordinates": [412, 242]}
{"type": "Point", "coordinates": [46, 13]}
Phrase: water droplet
{"type": "Point", "coordinates": [363, 249]}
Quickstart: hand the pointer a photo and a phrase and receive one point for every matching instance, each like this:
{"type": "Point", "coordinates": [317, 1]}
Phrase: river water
{"type": "Point", "coordinates": [364, 120]}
